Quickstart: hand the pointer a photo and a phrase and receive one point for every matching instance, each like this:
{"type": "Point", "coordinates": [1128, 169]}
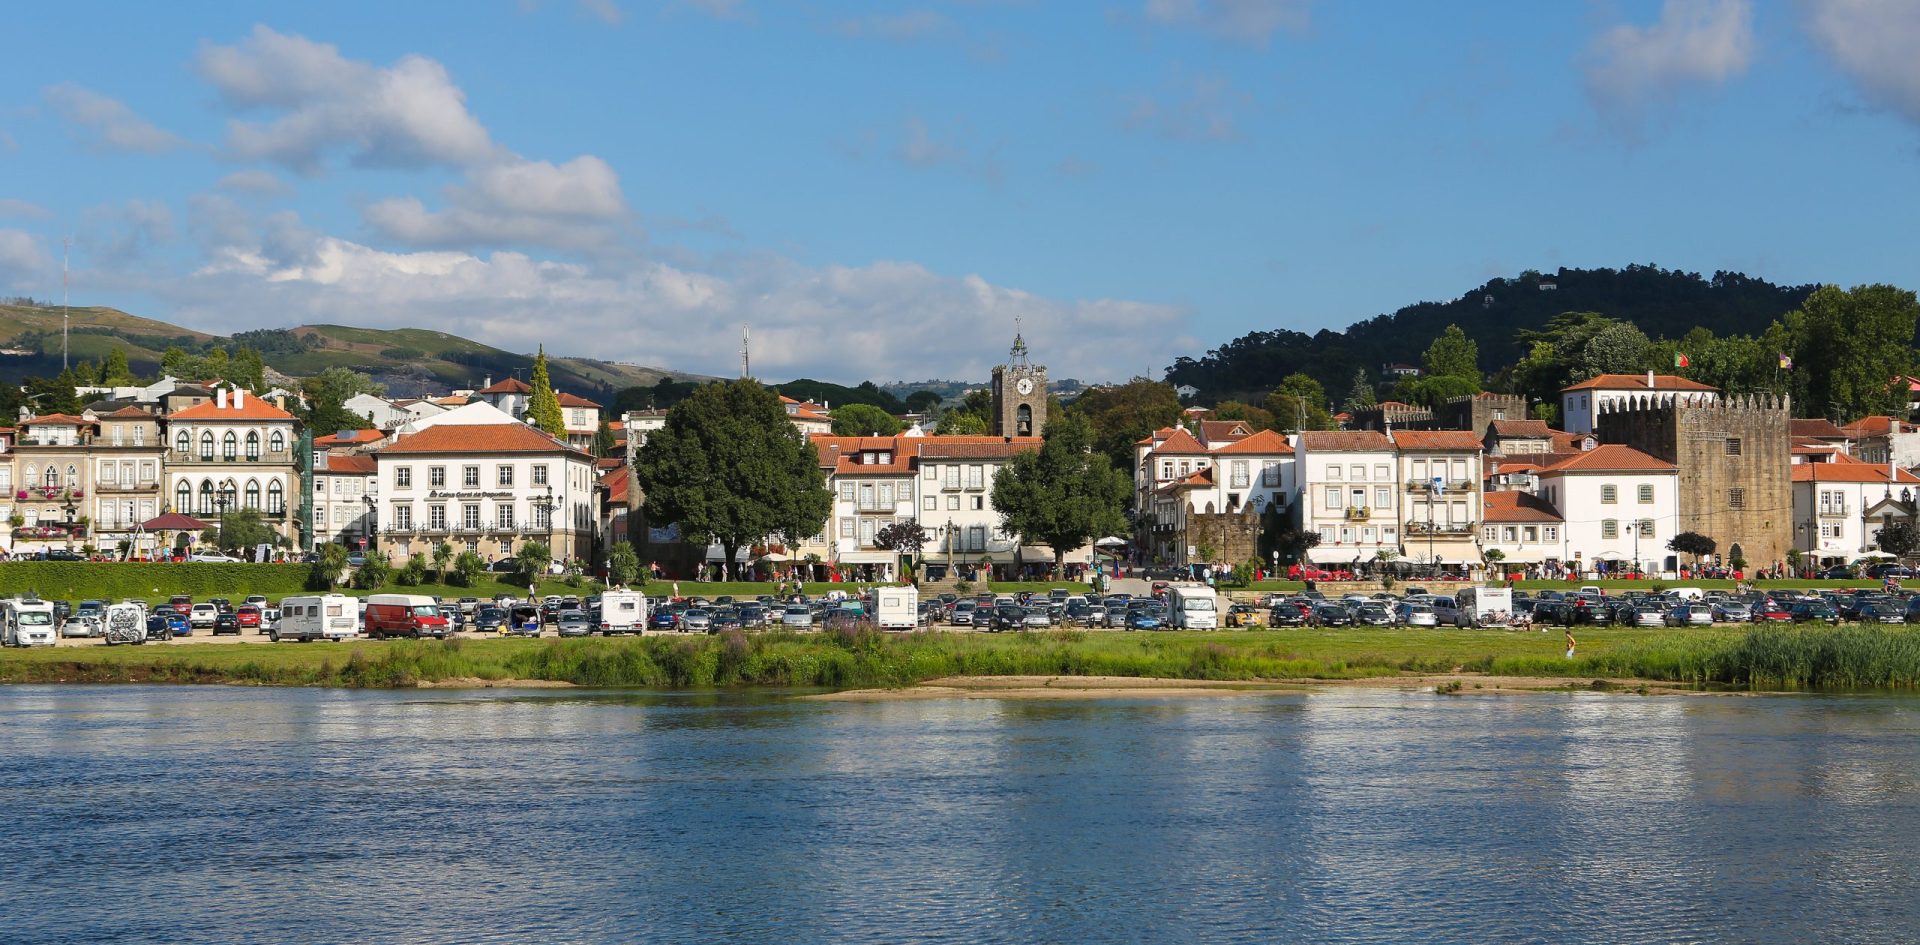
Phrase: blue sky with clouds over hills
{"type": "Point", "coordinates": [878, 189]}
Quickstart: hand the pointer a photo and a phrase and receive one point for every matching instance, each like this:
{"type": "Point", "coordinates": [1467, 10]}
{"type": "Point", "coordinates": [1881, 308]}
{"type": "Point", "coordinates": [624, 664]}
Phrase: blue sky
{"type": "Point", "coordinates": [879, 189]}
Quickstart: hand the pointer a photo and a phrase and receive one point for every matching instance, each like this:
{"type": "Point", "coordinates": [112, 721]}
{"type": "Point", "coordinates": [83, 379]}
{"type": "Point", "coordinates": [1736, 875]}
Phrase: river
{"type": "Point", "coordinates": [226, 814]}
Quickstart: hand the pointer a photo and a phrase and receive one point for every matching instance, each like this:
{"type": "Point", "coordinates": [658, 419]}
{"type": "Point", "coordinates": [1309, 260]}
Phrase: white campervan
{"type": "Point", "coordinates": [896, 608]}
{"type": "Point", "coordinates": [622, 611]}
{"type": "Point", "coordinates": [27, 623]}
{"type": "Point", "coordinates": [316, 617]}
{"type": "Point", "coordinates": [1193, 607]}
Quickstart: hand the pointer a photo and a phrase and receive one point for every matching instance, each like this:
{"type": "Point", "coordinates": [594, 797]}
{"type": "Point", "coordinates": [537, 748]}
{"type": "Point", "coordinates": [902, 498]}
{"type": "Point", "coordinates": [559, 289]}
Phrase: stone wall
{"type": "Point", "coordinates": [1735, 465]}
{"type": "Point", "coordinates": [1234, 537]}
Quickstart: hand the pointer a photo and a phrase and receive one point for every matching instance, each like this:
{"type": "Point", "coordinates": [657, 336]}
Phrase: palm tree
{"type": "Point", "coordinates": [442, 557]}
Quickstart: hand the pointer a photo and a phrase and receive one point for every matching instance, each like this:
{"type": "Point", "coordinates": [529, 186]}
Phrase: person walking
{"type": "Point", "coordinates": [1571, 643]}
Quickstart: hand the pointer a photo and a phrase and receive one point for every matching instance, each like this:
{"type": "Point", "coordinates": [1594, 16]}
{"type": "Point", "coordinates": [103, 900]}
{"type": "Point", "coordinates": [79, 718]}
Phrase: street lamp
{"type": "Point", "coordinates": [548, 506]}
{"type": "Point", "coordinates": [370, 529]}
{"type": "Point", "coordinates": [226, 502]}
{"type": "Point", "coordinates": [1633, 529]}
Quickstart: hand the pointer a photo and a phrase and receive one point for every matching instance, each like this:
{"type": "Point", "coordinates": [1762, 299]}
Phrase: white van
{"type": "Point", "coordinates": [1193, 607]}
{"type": "Point", "coordinates": [316, 617]}
{"type": "Point", "coordinates": [125, 622]}
{"type": "Point", "coordinates": [622, 611]}
{"type": "Point", "coordinates": [1482, 606]}
{"type": "Point", "coordinates": [27, 622]}
{"type": "Point", "coordinates": [896, 608]}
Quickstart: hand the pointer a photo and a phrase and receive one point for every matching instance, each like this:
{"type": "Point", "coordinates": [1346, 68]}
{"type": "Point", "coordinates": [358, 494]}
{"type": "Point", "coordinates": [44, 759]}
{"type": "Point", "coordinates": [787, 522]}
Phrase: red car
{"type": "Point", "coordinates": [1771, 612]}
{"type": "Point", "coordinates": [248, 616]}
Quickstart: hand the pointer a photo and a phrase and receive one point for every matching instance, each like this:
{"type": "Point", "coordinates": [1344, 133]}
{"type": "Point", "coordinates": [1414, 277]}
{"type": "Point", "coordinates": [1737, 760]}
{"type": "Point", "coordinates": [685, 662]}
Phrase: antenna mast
{"type": "Point", "coordinates": [746, 357]}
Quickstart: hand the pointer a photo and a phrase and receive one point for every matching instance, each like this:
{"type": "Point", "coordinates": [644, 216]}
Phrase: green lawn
{"type": "Point", "coordinates": [150, 581]}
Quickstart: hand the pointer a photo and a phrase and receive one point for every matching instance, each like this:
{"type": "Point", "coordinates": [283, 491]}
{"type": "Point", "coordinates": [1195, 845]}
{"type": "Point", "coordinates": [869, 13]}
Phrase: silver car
{"type": "Point", "coordinates": [696, 619]}
{"type": "Point", "coordinates": [1416, 615]}
{"type": "Point", "coordinates": [1732, 611]}
{"type": "Point", "coordinates": [1690, 615]}
{"type": "Point", "coordinates": [574, 623]}
{"type": "Point", "coordinates": [797, 615]}
{"type": "Point", "coordinates": [962, 615]}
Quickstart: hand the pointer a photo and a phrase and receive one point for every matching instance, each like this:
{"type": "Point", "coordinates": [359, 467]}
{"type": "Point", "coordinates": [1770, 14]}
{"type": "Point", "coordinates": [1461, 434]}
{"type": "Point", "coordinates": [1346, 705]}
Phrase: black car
{"type": "Point", "coordinates": [1559, 613]}
{"type": "Point", "coordinates": [1881, 572]}
{"type": "Point", "coordinates": [1332, 615]}
{"type": "Point", "coordinates": [64, 555]}
{"type": "Point", "coordinates": [489, 619]}
{"type": "Point", "coordinates": [1814, 611]}
{"type": "Point", "coordinates": [1008, 617]}
{"type": "Point", "coordinates": [226, 622]}
{"type": "Point", "coordinates": [1288, 613]}
{"type": "Point", "coordinates": [1839, 572]}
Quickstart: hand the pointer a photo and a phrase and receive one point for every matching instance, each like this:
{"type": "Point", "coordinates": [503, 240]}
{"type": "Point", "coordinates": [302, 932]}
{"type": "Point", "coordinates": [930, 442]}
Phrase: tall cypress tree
{"type": "Point", "coordinates": [543, 406]}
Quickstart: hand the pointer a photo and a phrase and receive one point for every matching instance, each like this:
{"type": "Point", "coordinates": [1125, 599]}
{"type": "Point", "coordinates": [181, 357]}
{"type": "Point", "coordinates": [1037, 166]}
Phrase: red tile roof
{"type": "Point", "coordinates": [1339, 441]}
{"type": "Point", "coordinates": [1638, 382]}
{"type": "Point", "coordinates": [615, 481]}
{"type": "Point", "coordinates": [131, 413]}
{"type": "Point", "coordinates": [1874, 426]}
{"type": "Point", "coordinates": [1518, 507]}
{"type": "Point", "coordinates": [1611, 457]}
{"type": "Point", "coordinates": [511, 385]}
{"type": "Point", "coordinates": [55, 419]}
{"type": "Point", "coordinates": [1218, 432]}
{"type": "Point", "coordinates": [1818, 428]}
{"type": "Point", "coordinates": [1180, 443]}
{"type": "Point", "coordinates": [1456, 440]}
{"type": "Point", "coordinates": [1533, 428]}
{"type": "Point", "coordinates": [348, 437]}
{"type": "Point", "coordinates": [353, 463]}
{"type": "Point", "coordinates": [480, 438]}
{"type": "Point", "coordinates": [1264, 443]}
{"type": "Point", "coordinates": [569, 400]}
{"type": "Point", "coordinates": [1850, 472]}
{"type": "Point", "coordinates": [251, 408]}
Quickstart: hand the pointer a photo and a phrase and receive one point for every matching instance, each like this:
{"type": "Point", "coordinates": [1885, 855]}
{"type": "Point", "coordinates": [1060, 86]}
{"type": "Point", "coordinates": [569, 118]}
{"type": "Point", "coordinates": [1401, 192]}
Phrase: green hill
{"type": "Point", "coordinates": [410, 361]}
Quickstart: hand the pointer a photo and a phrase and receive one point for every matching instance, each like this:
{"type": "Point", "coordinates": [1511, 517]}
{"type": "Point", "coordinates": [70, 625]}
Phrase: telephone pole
{"type": "Point", "coordinates": [65, 254]}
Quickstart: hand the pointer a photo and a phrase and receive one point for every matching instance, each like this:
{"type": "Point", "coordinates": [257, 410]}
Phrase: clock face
{"type": "Point", "coordinates": [1025, 386]}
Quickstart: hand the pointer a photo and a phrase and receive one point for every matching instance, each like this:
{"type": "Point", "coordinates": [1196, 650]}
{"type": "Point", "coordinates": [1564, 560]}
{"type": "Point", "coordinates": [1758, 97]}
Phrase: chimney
{"type": "Point", "coordinates": [220, 398]}
{"type": "Point", "coordinates": [239, 398]}
{"type": "Point", "coordinates": [1649, 378]}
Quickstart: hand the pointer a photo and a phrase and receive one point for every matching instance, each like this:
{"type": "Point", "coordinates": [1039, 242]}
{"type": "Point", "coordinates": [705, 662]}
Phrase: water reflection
{"type": "Point", "coordinates": [1351, 816]}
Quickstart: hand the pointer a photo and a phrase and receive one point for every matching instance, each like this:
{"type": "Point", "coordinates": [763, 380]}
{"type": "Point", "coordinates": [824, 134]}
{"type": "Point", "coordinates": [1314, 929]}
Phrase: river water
{"type": "Point", "coordinates": [214, 814]}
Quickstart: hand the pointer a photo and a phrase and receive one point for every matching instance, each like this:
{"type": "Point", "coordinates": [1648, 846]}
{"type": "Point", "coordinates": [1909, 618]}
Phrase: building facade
{"type": "Point", "coordinates": [344, 498]}
{"type": "Point", "coordinates": [1840, 505]}
{"type": "Point", "coordinates": [1581, 404]}
{"type": "Point", "coordinates": [129, 459]}
{"type": "Point", "coordinates": [1620, 505]}
{"type": "Point", "coordinates": [488, 489]}
{"type": "Point", "coordinates": [234, 452]}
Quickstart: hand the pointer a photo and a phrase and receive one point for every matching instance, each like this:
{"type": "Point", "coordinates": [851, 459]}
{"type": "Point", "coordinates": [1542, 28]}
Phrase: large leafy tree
{"type": "Point", "coordinates": [543, 405]}
{"type": "Point", "coordinates": [1852, 345]}
{"type": "Point", "coordinates": [1360, 394]}
{"type": "Point", "coordinates": [1299, 403]}
{"type": "Point", "coordinates": [115, 371]}
{"type": "Point", "coordinates": [327, 394]}
{"type": "Point", "coordinates": [1119, 415]}
{"type": "Point", "coordinates": [1901, 539]}
{"type": "Point", "coordinates": [1256, 417]}
{"type": "Point", "coordinates": [1453, 354]}
{"type": "Point", "coordinates": [1064, 494]}
{"type": "Point", "coordinates": [864, 420]}
{"type": "Point", "coordinates": [731, 469]}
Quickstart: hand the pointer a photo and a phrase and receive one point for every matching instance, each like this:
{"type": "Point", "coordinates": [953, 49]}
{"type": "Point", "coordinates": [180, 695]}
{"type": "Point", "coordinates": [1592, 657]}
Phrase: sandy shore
{"type": "Point", "coordinates": [1110, 687]}
{"type": "Point", "coordinates": [475, 682]}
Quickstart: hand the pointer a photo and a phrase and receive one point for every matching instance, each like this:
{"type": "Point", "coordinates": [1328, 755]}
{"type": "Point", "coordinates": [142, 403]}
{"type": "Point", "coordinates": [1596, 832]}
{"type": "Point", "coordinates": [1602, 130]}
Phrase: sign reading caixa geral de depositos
{"type": "Point", "coordinates": [444, 494]}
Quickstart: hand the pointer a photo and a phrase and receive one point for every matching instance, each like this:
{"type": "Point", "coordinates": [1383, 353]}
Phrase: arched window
{"type": "Point", "coordinates": [206, 444]}
{"type": "Point", "coordinates": [32, 478]}
{"type": "Point", "coordinates": [253, 444]}
{"type": "Point", "coordinates": [229, 445]}
{"type": "Point", "coordinates": [206, 495]}
{"type": "Point", "coordinates": [276, 499]}
{"type": "Point", "coordinates": [252, 500]}
{"type": "Point", "coordinates": [183, 442]}
{"type": "Point", "coordinates": [53, 477]}
{"type": "Point", "coordinates": [1023, 421]}
{"type": "Point", "coordinates": [73, 477]}
{"type": "Point", "coordinates": [183, 497]}
{"type": "Point", "coordinates": [277, 442]}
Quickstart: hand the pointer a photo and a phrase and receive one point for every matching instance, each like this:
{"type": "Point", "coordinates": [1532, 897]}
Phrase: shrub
{"type": "Point", "coordinates": [374, 573]}
{"type": "Point", "coordinates": [467, 569]}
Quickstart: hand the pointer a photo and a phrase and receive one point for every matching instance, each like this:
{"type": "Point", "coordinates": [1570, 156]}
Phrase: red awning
{"type": "Point", "coordinates": [174, 522]}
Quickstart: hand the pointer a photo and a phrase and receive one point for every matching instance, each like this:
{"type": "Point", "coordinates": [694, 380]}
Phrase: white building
{"type": "Point", "coordinates": [486, 488]}
{"type": "Point", "coordinates": [1225, 469]}
{"type": "Point", "coordinates": [1878, 440]}
{"type": "Point", "coordinates": [343, 484]}
{"type": "Point", "coordinates": [379, 412]}
{"type": "Point", "coordinates": [1839, 507]}
{"type": "Point", "coordinates": [873, 487]}
{"type": "Point", "coordinates": [1441, 501]}
{"type": "Point", "coordinates": [235, 451]}
{"type": "Point", "coordinates": [1522, 527]}
{"type": "Point", "coordinates": [1580, 403]}
{"type": "Point", "coordinates": [1349, 495]}
{"type": "Point", "coordinates": [1618, 503]}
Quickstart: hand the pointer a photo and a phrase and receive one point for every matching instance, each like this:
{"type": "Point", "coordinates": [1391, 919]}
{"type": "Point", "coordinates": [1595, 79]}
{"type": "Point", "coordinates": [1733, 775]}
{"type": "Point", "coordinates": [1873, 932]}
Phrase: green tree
{"type": "Point", "coordinates": [1121, 414]}
{"type": "Point", "coordinates": [442, 558]}
{"type": "Point", "coordinates": [115, 372]}
{"type": "Point", "coordinates": [904, 537]}
{"type": "Point", "coordinates": [1453, 354]}
{"type": "Point", "coordinates": [1360, 394]}
{"type": "Point", "coordinates": [1900, 539]}
{"type": "Point", "coordinates": [543, 405]}
{"type": "Point", "coordinates": [531, 561]}
{"type": "Point", "coordinates": [1256, 417]}
{"type": "Point", "coordinates": [1618, 348]}
{"type": "Point", "coordinates": [247, 370]}
{"type": "Point", "coordinates": [730, 468]}
{"type": "Point", "coordinates": [1299, 403]}
{"type": "Point", "coordinates": [468, 568]}
{"type": "Point", "coordinates": [1064, 494]}
{"type": "Point", "coordinates": [411, 574]}
{"type": "Point", "coordinates": [603, 441]}
{"type": "Point", "coordinates": [327, 394]}
{"type": "Point", "coordinates": [1434, 390]}
{"type": "Point", "coordinates": [330, 561]}
{"type": "Point", "coordinates": [923, 402]}
{"type": "Point", "coordinates": [1692, 543]}
{"type": "Point", "coordinates": [961, 423]}
{"type": "Point", "coordinates": [373, 573]}
{"type": "Point", "coordinates": [623, 565]}
{"type": "Point", "coordinates": [864, 420]}
{"type": "Point", "coordinates": [242, 529]}
{"type": "Point", "coordinates": [1853, 344]}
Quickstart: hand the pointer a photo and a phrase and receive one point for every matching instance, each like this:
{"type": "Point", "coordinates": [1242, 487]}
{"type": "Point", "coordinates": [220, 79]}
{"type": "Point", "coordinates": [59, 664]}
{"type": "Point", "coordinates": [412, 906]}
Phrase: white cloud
{"type": "Point", "coordinates": [1631, 69]}
{"type": "Point", "coordinates": [256, 182]}
{"type": "Point", "coordinates": [22, 260]}
{"type": "Point", "coordinates": [404, 115]}
{"type": "Point", "coordinates": [1245, 21]}
{"type": "Point", "coordinates": [899, 27]}
{"type": "Point", "coordinates": [1192, 108]}
{"type": "Point", "coordinates": [520, 202]}
{"type": "Point", "coordinates": [841, 322]}
{"type": "Point", "coordinates": [110, 123]}
{"type": "Point", "coordinates": [21, 209]}
{"type": "Point", "coordinates": [1873, 41]}
{"type": "Point", "coordinates": [606, 11]}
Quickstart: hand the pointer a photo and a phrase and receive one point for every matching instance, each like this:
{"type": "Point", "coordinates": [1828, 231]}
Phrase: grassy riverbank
{"type": "Point", "coordinates": [1761, 658]}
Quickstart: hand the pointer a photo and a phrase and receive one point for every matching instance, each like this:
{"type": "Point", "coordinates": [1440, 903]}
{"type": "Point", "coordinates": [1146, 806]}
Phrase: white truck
{"type": "Point", "coordinates": [622, 611]}
{"type": "Point", "coordinates": [125, 622]}
{"type": "Point", "coordinates": [1484, 606]}
{"type": "Point", "coordinates": [316, 617]}
{"type": "Point", "coordinates": [1193, 607]}
{"type": "Point", "coordinates": [26, 622]}
{"type": "Point", "coordinates": [896, 608]}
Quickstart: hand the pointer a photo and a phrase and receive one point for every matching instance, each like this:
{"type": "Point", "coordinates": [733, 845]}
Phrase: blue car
{"type": "Point", "coordinates": [178, 624]}
{"type": "Point", "coordinates": [661, 620]}
{"type": "Point", "coordinates": [1144, 620]}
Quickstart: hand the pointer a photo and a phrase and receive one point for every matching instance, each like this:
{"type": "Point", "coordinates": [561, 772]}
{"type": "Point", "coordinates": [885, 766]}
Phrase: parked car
{"type": "Point", "coordinates": [1038, 617]}
{"type": "Point", "coordinates": [1814, 612]}
{"type": "Point", "coordinates": [1410, 614]}
{"type": "Point", "coordinates": [1146, 618]}
{"type": "Point", "coordinates": [1881, 572]}
{"type": "Point", "coordinates": [1772, 612]}
{"type": "Point", "coordinates": [490, 619]}
{"type": "Point", "coordinates": [1291, 612]}
{"type": "Point", "coordinates": [1732, 611]}
{"type": "Point", "coordinates": [1332, 615]}
{"type": "Point", "coordinates": [696, 619]}
{"type": "Point", "coordinates": [797, 617]}
{"type": "Point", "coordinates": [1373, 614]}
{"type": "Point", "coordinates": [1839, 572]}
{"type": "Point", "coordinates": [666, 618]}
{"type": "Point", "coordinates": [1881, 613]}
{"type": "Point", "coordinates": [160, 626]}
{"type": "Point", "coordinates": [1690, 615]}
{"type": "Point", "coordinates": [248, 617]}
{"type": "Point", "coordinates": [574, 623]}
{"type": "Point", "coordinates": [203, 615]}
{"type": "Point", "coordinates": [213, 557]}
{"type": "Point", "coordinates": [1242, 615]}
{"type": "Point", "coordinates": [962, 613]}
{"type": "Point", "coordinates": [226, 624]}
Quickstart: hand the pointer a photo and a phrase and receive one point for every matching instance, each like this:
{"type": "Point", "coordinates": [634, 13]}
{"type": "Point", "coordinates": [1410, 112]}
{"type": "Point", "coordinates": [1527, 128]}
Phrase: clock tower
{"type": "Point", "coordinates": [1019, 394]}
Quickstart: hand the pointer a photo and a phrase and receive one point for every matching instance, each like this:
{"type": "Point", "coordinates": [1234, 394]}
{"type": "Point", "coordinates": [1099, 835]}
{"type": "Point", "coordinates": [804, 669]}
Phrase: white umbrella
{"type": "Point", "coordinates": [776, 556]}
{"type": "Point", "coordinates": [1109, 542]}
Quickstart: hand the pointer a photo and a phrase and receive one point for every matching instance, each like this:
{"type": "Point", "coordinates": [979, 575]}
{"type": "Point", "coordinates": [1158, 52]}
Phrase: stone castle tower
{"type": "Point", "coordinates": [1735, 460]}
{"type": "Point", "coordinates": [1019, 394]}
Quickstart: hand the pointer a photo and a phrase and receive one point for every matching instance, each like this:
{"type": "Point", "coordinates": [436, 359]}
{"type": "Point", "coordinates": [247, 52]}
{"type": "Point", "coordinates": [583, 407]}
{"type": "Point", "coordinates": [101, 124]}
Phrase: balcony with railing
{"type": "Point", "coordinates": [1359, 514]}
{"type": "Point", "coordinates": [1441, 528]}
{"type": "Point", "coordinates": [127, 485]}
{"type": "Point", "coordinates": [1833, 510]}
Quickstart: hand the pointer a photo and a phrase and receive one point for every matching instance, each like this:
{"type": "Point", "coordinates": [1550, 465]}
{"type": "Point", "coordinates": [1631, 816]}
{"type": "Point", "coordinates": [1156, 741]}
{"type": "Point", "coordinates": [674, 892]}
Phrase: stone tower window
{"type": "Point", "coordinates": [1736, 498]}
{"type": "Point", "coordinates": [1733, 446]}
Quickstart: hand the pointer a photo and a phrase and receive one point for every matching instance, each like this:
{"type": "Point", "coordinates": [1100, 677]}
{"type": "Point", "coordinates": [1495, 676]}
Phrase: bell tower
{"type": "Point", "coordinates": [1019, 393]}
